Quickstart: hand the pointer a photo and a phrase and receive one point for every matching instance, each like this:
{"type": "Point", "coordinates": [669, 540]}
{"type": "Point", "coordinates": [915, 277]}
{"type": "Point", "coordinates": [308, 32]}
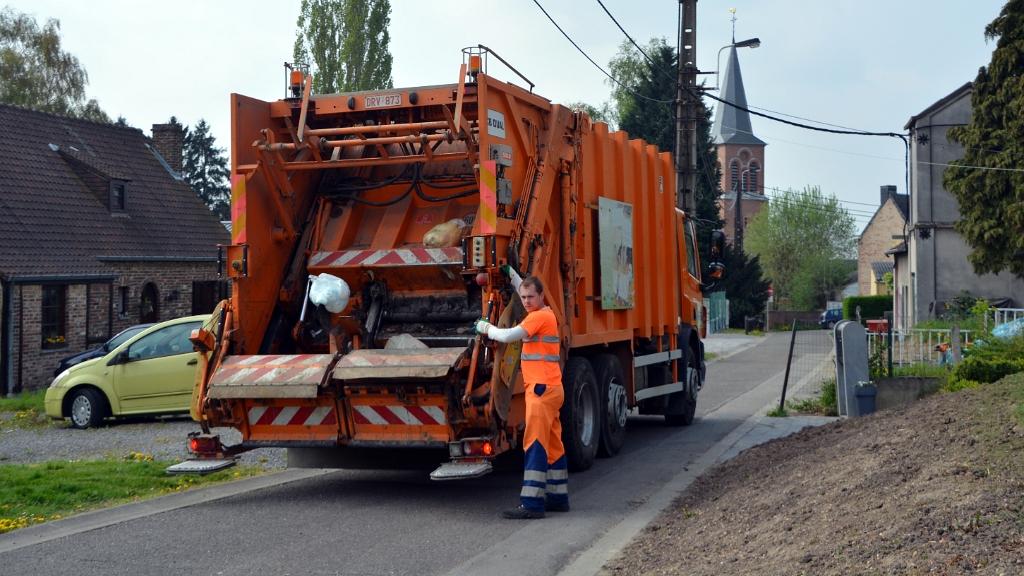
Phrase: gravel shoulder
{"type": "Point", "coordinates": [163, 438]}
{"type": "Point", "coordinates": [937, 488]}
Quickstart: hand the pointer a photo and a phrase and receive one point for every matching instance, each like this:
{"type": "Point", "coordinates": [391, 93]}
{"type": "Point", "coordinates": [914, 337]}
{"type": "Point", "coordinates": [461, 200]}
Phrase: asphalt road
{"type": "Point", "coordinates": [399, 522]}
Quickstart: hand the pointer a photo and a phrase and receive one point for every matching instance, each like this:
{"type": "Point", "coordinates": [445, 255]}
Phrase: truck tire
{"type": "Point", "coordinates": [87, 408]}
{"type": "Point", "coordinates": [681, 407]}
{"type": "Point", "coordinates": [580, 414]}
{"type": "Point", "coordinates": [612, 396]}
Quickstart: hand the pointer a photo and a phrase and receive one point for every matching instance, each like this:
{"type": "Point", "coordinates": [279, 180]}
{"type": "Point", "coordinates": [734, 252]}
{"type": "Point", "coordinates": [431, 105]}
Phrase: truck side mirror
{"type": "Point", "coordinates": [716, 268]}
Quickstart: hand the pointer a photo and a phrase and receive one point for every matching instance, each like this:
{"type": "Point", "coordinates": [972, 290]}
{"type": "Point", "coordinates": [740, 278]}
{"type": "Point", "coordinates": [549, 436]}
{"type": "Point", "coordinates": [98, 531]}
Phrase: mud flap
{"type": "Point", "coordinates": [461, 470]}
{"type": "Point", "coordinates": [201, 466]}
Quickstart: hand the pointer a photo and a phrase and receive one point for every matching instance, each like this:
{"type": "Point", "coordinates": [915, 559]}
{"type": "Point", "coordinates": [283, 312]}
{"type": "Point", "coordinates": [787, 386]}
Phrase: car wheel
{"type": "Point", "coordinates": [612, 395]}
{"type": "Point", "coordinates": [831, 325]}
{"type": "Point", "coordinates": [87, 408]}
{"type": "Point", "coordinates": [580, 414]}
{"type": "Point", "coordinates": [682, 406]}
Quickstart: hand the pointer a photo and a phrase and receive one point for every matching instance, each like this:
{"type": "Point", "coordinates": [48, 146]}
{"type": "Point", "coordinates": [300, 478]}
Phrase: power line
{"type": "Point", "coordinates": [852, 131]}
{"type": "Point", "coordinates": [654, 64]}
{"type": "Point", "coordinates": [598, 66]}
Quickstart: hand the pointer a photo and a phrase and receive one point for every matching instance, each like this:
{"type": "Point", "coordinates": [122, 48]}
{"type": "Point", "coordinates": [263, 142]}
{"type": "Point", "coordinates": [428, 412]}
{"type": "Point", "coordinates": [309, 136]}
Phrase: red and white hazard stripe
{"type": "Point", "coordinates": [272, 370]}
{"type": "Point", "coordinates": [292, 416]}
{"type": "Point", "coordinates": [400, 415]}
{"type": "Point", "coordinates": [394, 257]}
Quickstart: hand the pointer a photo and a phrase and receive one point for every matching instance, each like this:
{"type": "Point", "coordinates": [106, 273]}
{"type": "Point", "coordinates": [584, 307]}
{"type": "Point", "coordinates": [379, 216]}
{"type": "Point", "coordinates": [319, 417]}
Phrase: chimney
{"type": "Point", "coordinates": [887, 191]}
{"type": "Point", "coordinates": [169, 141]}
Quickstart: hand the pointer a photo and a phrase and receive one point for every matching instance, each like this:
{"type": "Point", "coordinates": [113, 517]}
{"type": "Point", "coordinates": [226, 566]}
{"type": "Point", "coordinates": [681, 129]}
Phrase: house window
{"type": "Point", "coordinates": [118, 196]}
{"type": "Point", "coordinates": [124, 293]}
{"type": "Point", "coordinates": [734, 175]}
{"type": "Point", "coordinates": [752, 182]}
{"type": "Point", "coordinates": [54, 316]}
{"type": "Point", "coordinates": [206, 294]}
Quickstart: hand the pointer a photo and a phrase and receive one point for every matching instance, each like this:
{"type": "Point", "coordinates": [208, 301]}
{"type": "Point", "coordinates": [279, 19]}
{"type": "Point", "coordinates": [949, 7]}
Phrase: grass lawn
{"type": "Point", "coordinates": [35, 493]}
{"type": "Point", "coordinates": [23, 410]}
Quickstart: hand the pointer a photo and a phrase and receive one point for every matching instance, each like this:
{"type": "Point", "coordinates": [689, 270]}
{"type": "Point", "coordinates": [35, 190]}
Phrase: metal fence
{"type": "Point", "coordinates": [1001, 315]}
{"type": "Point", "coordinates": [718, 312]}
{"type": "Point", "coordinates": [813, 360]}
{"type": "Point", "coordinates": [915, 346]}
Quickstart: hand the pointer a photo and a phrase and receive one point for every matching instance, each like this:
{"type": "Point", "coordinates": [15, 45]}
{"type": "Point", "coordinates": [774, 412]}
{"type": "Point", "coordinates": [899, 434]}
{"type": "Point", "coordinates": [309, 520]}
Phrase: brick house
{"type": "Point", "coordinates": [884, 231]}
{"type": "Point", "coordinates": [97, 232]}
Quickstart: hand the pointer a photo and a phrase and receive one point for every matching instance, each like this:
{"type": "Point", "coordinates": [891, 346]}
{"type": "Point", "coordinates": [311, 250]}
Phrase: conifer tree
{"type": "Point", "coordinates": [988, 181]}
{"type": "Point", "coordinates": [206, 169]}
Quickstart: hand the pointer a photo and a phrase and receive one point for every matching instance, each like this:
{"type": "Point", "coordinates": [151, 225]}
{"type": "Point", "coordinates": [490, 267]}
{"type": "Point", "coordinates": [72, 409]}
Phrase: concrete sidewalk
{"type": "Point", "coordinates": [727, 344]}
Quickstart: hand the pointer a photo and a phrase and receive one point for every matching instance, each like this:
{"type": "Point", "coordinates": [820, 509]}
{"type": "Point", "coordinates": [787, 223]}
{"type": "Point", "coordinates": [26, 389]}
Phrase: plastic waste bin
{"type": "Point", "coordinates": [866, 394]}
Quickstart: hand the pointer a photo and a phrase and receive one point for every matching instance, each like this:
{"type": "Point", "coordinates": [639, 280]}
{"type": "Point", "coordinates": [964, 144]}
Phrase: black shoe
{"type": "Point", "coordinates": [549, 507]}
{"type": "Point", "coordinates": [521, 513]}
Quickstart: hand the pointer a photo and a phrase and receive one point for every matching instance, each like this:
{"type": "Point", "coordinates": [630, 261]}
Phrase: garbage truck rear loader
{"type": "Point", "coordinates": [370, 230]}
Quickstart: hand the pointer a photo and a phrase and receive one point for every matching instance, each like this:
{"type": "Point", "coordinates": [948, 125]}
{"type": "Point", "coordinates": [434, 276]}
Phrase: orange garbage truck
{"type": "Point", "coordinates": [370, 230]}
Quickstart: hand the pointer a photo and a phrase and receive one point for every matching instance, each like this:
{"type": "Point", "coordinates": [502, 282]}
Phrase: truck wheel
{"type": "Point", "coordinates": [580, 415]}
{"type": "Point", "coordinates": [612, 395]}
{"type": "Point", "coordinates": [87, 408]}
{"type": "Point", "coordinates": [681, 407]}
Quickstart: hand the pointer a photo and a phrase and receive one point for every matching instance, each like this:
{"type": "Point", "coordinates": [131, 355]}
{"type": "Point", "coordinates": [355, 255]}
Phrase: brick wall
{"type": "Point", "coordinates": [746, 157]}
{"type": "Point", "coordinates": [33, 366]}
{"type": "Point", "coordinates": [875, 240]}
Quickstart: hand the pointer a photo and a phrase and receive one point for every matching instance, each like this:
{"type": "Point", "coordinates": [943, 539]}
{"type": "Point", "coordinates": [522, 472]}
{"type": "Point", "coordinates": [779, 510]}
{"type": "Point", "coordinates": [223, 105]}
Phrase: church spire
{"type": "Point", "coordinates": [732, 125]}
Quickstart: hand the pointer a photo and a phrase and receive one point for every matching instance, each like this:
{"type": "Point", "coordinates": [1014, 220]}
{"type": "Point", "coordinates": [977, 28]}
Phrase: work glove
{"type": "Point", "coordinates": [482, 326]}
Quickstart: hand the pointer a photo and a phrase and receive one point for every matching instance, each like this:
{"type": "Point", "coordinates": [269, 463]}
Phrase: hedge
{"type": "Point", "coordinates": [986, 370]}
{"type": "Point", "coordinates": [871, 307]}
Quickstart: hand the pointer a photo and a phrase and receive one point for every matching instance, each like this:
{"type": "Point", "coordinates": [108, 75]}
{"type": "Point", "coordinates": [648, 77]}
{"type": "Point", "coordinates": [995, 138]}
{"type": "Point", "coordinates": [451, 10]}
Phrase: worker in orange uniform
{"type": "Point", "coordinates": [546, 475]}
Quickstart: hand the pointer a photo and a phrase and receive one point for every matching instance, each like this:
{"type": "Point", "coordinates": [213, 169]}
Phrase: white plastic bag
{"type": "Point", "coordinates": [330, 291]}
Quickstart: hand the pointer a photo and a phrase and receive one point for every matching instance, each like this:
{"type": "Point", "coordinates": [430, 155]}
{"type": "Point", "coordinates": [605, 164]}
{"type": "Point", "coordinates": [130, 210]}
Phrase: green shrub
{"type": "Point", "coordinates": [954, 385]}
{"type": "Point", "coordinates": [871, 307]}
{"type": "Point", "coordinates": [982, 368]}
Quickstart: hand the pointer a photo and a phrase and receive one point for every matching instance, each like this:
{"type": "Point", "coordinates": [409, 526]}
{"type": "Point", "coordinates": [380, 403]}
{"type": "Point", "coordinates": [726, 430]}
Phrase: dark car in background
{"type": "Point", "coordinates": [100, 350]}
{"type": "Point", "coordinates": [829, 318]}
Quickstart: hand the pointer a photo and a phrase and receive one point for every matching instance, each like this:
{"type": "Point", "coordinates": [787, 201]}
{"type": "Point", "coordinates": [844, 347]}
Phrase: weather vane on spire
{"type": "Point", "coordinates": [733, 12]}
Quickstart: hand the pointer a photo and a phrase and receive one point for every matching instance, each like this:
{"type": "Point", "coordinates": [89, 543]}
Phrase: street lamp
{"type": "Point", "coordinates": [748, 43]}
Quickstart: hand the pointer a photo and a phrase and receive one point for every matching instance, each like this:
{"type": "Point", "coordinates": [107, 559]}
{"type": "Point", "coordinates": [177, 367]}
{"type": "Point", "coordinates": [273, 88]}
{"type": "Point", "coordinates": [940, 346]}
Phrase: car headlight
{"type": "Point", "coordinates": [61, 376]}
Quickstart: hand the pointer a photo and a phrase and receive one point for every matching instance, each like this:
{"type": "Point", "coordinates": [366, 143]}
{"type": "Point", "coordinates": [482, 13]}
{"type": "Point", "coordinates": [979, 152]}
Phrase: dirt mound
{"type": "Point", "coordinates": [937, 488]}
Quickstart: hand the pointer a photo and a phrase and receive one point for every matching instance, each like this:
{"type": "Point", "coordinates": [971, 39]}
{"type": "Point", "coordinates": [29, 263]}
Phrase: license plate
{"type": "Point", "coordinates": [382, 100]}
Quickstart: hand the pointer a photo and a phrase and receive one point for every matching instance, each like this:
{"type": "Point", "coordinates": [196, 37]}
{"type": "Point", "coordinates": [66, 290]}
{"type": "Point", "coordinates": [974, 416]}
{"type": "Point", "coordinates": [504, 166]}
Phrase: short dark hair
{"type": "Point", "coordinates": [535, 282]}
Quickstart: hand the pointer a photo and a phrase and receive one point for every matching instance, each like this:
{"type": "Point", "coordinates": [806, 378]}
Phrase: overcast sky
{"type": "Point", "coordinates": [866, 64]}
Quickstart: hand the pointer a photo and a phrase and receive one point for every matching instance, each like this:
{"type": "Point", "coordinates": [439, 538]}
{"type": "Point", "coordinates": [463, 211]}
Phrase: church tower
{"type": "Point", "coordinates": [740, 153]}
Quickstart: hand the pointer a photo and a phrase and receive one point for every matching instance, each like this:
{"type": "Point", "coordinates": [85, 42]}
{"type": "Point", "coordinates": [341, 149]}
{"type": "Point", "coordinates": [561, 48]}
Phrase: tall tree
{"type": "Point", "coordinates": [346, 44]}
{"type": "Point", "coordinates": [644, 99]}
{"type": "Point", "coordinates": [602, 114]}
{"type": "Point", "coordinates": [990, 193]}
{"type": "Point", "coordinates": [36, 73]}
{"type": "Point", "coordinates": [744, 285]}
{"type": "Point", "coordinates": [804, 240]}
{"type": "Point", "coordinates": [206, 169]}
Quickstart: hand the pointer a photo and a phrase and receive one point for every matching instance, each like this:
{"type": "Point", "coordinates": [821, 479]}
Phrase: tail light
{"type": "Point", "coordinates": [471, 448]}
{"type": "Point", "coordinates": [478, 447]}
{"type": "Point", "coordinates": [204, 444]}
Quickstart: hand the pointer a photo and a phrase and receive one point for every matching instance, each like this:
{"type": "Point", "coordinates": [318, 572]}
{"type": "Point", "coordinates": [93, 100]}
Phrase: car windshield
{"type": "Point", "coordinates": [124, 336]}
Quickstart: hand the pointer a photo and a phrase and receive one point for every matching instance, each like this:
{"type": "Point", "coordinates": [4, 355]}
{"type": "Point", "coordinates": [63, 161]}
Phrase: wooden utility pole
{"type": "Point", "coordinates": [686, 109]}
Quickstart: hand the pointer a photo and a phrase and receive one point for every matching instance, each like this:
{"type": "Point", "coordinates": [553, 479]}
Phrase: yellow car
{"type": "Point", "coordinates": [151, 373]}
